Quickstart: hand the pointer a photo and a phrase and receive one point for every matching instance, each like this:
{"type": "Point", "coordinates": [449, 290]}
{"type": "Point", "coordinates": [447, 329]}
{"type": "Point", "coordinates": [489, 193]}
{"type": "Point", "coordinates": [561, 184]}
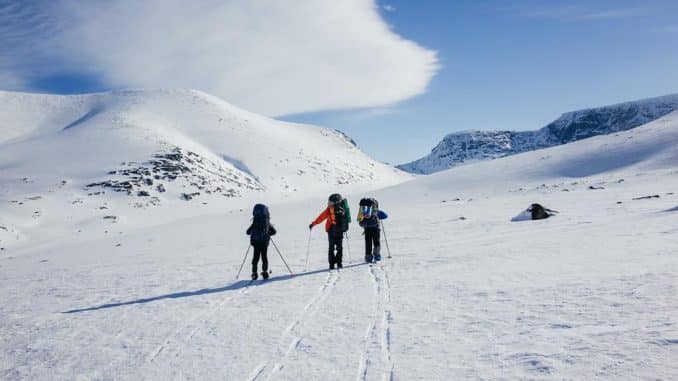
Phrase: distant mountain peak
{"type": "Point", "coordinates": [471, 146]}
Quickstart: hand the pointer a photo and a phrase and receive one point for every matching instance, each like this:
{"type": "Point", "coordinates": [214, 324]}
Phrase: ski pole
{"type": "Point", "coordinates": [308, 250]}
{"type": "Point", "coordinates": [243, 261]}
{"type": "Point", "coordinates": [348, 246]}
{"type": "Point", "coordinates": [385, 239]}
{"type": "Point", "coordinates": [281, 257]}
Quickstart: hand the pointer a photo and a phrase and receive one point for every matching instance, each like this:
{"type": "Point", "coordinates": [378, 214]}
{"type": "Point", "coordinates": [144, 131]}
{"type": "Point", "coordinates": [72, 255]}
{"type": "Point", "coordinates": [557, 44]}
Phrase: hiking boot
{"type": "Point", "coordinates": [265, 274]}
{"type": "Point", "coordinates": [254, 276]}
{"type": "Point", "coordinates": [377, 257]}
{"type": "Point", "coordinates": [368, 258]}
{"type": "Point", "coordinates": [340, 265]}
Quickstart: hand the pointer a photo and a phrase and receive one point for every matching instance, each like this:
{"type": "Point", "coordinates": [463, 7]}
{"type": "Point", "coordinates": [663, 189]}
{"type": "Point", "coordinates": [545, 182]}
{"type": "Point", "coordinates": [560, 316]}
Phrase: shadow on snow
{"type": "Point", "coordinates": [205, 291]}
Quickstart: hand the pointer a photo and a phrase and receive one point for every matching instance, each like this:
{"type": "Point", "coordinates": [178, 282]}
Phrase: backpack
{"type": "Point", "coordinates": [342, 213]}
{"type": "Point", "coordinates": [261, 222]}
{"type": "Point", "coordinates": [538, 212]}
{"type": "Point", "coordinates": [368, 213]}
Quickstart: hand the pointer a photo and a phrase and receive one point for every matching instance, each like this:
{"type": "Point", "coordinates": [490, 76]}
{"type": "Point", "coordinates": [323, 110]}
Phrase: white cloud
{"type": "Point", "coordinates": [273, 57]}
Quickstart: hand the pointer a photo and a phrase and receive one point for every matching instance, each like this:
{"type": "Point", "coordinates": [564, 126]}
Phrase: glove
{"type": "Point", "coordinates": [310, 226]}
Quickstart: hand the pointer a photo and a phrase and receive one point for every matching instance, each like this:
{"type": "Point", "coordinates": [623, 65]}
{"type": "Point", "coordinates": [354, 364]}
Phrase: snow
{"type": "Point", "coordinates": [589, 294]}
{"type": "Point", "coordinates": [525, 215]}
{"type": "Point", "coordinates": [65, 151]}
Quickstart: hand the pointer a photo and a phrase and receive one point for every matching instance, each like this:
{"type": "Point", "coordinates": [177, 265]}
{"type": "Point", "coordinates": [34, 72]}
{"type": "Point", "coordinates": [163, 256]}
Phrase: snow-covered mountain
{"type": "Point", "coordinates": [128, 150]}
{"type": "Point", "coordinates": [650, 147]}
{"type": "Point", "coordinates": [470, 146]}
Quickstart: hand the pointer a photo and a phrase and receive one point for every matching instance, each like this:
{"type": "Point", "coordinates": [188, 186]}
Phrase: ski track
{"type": "Point", "coordinates": [192, 328]}
{"type": "Point", "coordinates": [378, 334]}
{"type": "Point", "coordinates": [291, 337]}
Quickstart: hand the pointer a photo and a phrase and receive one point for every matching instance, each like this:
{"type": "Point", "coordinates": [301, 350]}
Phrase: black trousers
{"type": "Point", "coordinates": [372, 236]}
{"type": "Point", "coordinates": [336, 241]}
{"type": "Point", "coordinates": [260, 250]}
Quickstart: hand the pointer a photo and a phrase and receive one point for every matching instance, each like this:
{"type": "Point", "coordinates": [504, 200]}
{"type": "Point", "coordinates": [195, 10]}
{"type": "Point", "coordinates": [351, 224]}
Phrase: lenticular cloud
{"type": "Point", "coordinates": [273, 57]}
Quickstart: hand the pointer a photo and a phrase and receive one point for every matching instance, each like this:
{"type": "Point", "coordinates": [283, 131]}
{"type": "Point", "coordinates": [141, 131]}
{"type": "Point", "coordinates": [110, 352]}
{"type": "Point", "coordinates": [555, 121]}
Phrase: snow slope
{"type": "Point", "coordinates": [113, 155]}
{"type": "Point", "coordinates": [472, 146]}
{"type": "Point", "coordinates": [589, 294]}
{"type": "Point", "coordinates": [652, 146]}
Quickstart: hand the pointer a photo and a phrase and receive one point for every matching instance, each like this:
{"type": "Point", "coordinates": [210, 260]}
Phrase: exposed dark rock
{"type": "Point", "coordinates": [647, 197]}
{"type": "Point", "coordinates": [201, 174]}
{"type": "Point", "coordinates": [189, 196]}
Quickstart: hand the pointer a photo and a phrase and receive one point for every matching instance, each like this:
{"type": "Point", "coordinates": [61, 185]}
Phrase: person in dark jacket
{"type": "Point", "coordinates": [369, 218]}
{"type": "Point", "coordinates": [337, 216]}
{"type": "Point", "coordinates": [260, 232]}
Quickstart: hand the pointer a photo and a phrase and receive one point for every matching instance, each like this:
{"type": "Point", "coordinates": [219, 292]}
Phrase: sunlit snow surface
{"type": "Point", "coordinates": [587, 294]}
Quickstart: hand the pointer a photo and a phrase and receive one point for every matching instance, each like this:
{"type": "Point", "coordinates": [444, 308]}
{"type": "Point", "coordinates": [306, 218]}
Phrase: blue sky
{"type": "Point", "coordinates": [402, 78]}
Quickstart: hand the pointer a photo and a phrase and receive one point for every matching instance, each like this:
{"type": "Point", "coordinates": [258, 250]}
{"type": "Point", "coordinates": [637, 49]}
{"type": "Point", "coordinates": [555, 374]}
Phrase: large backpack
{"type": "Point", "coordinates": [538, 212]}
{"type": "Point", "coordinates": [342, 213]}
{"type": "Point", "coordinates": [261, 222]}
{"type": "Point", "coordinates": [368, 213]}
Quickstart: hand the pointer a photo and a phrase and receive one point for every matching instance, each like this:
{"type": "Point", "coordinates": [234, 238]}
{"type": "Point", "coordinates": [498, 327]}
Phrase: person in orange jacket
{"type": "Point", "coordinates": [337, 216]}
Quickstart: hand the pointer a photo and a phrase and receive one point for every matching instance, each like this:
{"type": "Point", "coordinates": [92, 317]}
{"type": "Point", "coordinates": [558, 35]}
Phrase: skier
{"type": "Point", "coordinates": [260, 233]}
{"type": "Point", "coordinates": [369, 217]}
{"type": "Point", "coordinates": [337, 216]}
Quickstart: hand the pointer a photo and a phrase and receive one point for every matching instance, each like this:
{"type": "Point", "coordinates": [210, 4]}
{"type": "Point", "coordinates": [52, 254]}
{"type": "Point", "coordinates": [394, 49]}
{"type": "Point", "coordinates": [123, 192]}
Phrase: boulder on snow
{"type": "Point", "coordinates": [534, 212]}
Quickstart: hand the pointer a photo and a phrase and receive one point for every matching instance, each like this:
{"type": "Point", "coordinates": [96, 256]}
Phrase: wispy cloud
{"type": "Point", "coordinates": [375, 112]}
{"type": "Point", "coordinates": [610, 14]}
{"type": "Point", "coordinates": [24, 31]}
{"type": "Point", "coordinates": [578, 12]}
{"type": "Point", "coordinates": [668, 29]}
{"type": "Point", "coordinates": [388, 7]}
{"type": "Point", "coordinates": [271, 57]}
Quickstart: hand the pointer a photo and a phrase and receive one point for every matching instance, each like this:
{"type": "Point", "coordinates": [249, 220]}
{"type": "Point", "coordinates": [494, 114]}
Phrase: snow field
{"type": "Point", "coordinates": [588, 294]}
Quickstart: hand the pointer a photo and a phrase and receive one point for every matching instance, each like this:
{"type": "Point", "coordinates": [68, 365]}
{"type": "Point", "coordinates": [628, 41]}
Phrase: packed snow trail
{"type": "Point", "coordinates": [292, 335]}
{"type": "Point", "coordinates": [174, 344]}
{"type": "Point", "coordinates": [376, 361]}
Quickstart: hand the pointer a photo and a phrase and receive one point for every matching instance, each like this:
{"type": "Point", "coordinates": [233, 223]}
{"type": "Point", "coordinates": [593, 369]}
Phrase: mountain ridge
{"type": "Point", "coordinates": [469, 146]}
